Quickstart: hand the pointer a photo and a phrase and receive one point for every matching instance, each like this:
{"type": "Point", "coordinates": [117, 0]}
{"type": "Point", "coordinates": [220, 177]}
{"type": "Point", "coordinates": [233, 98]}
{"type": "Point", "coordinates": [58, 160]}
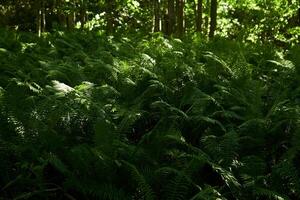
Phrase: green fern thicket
{"type": "Point", "coordinates": [88, 116]}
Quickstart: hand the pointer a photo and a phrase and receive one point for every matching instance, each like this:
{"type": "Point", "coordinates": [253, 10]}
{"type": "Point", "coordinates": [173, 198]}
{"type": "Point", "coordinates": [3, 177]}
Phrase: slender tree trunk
{"type": "Point", "coordinates": [38, 9]}
{"type": "Point", "coordinates": [199, 20]}
{"type": "Point", "coordinates": [213, 18]}
{"type": "Point", "coordinates": [156, 16]}
{"type": "Point", "coordinates": [171, 17]}
{"type": "Point", "coordinates": [206, 19]}
{"type": "Point", "coordinates": [83, 17]}
{"type": "Point", "coordinates": [165, 23]}
{"type": "Point", "coordinates": [180, 18]}
{"type": "Point", "coordinates": [110, 16]}
{"type": "Point", "coordinates": [298, 16]}
{"type": "Point", "coordinates": [165, 18]}
{"type": "Point", "coordinates": [43, 17]}
{"type": "Point", "coordinates": [176, 18]}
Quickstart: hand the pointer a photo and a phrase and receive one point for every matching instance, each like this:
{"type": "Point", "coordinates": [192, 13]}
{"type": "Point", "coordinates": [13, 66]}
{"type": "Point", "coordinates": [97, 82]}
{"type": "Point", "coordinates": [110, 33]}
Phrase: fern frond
{"type": "Point", "coordinates": [177, 186]}
{"type": "Point", "coordinates": [143, 189]}
{"type": "Point", "coordinates": [262, 192]}
{"type": "Point", "coordinates": [208, 193]}
{"type": "Point", "coordinates": [224, 67]}
{"type": "Point", "coordinates": [169, 109]}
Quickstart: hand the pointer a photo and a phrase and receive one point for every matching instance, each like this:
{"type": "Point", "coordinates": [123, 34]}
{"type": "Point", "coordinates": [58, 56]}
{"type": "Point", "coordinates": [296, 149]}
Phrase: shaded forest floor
{"type": "Point", "coordinates": [88, 116]}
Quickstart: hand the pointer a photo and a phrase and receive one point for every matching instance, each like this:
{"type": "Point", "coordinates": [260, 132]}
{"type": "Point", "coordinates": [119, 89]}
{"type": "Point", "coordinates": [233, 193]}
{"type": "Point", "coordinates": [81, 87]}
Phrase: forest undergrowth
{"type": "Point", "coordinates": [89, 116]}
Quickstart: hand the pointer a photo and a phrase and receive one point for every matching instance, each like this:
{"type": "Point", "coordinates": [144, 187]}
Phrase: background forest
{"type": "Point", "coordinates": [248, 20]}
{"type": "Point", "coordinates": [150, 100]}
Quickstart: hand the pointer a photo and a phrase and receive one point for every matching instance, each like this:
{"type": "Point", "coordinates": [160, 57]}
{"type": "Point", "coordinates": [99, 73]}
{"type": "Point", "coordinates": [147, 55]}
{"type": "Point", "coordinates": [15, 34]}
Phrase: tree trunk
{"type": "Point", "coordinates": [156, 16]}
{"type": "Point", "coordinates": [199, 16]}
{"type": "Point", "coordinates": [38, 9]}
{"type": "Point", "coordinates": [83, 17]}
{"type": "Point", "coordinates": [180, 18]}
{"type": "Point", "coordinates": [176, 18]}
{"type": "Point", "coordinates": [298, 16]}
{"type": "Point", "coordinates": [206, 19]}
{"type": "Point", "coordinates": [171, 17]}
{"type": "Point", "coordinates": [72, 16]}
{"type": "Point", "coordinates": [165, 18]}
{"type": "Point", "coordinates": [165, 23]}
{"type": "Point", "coordinates": [213, 18]}
{"type": "Point", "coordinates": [43, 17]}
{"type": "Point", "coordinates": [110, 16]}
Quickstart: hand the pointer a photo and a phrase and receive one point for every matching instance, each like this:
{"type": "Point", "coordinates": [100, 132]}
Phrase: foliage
{"type": "Point", "coordinates": [89, 116]}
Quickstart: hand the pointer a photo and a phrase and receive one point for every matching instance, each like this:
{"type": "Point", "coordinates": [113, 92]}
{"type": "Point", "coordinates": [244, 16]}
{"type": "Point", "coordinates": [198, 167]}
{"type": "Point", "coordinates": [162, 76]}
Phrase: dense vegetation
{"type": "Point", "coordinates": [87, 116]}
{"type": "Point", "coordinates": [109, 109]}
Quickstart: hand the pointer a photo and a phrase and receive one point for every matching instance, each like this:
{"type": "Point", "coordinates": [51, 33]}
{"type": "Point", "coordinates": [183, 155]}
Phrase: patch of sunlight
{"type": "Point", "coordinates": [85, 86]}
{"type": "Point", "coordinates": [61, 87]}
{"type": "Point", "coordinates": [26, 46]}
{"type": "Point", "coordinates": [1, 91]}
{"type": "Point", "coordinates": [148, 60]}
{"type": "Point", "coordinates": [3, 50]}
{"type": "Point", "coordinates": [19, 128]}
{"type": "Point", "coordinates": [278, 197]}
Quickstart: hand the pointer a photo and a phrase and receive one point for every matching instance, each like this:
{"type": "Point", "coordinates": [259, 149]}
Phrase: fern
{"type": "Point", "coordinates": [261, 192]}
{"type": "Point", "coordinates": [143, 189]}
{"type": "Point", "coordinates": [178, 186]}
{"type": "Point", "coordinates": [208, 193]}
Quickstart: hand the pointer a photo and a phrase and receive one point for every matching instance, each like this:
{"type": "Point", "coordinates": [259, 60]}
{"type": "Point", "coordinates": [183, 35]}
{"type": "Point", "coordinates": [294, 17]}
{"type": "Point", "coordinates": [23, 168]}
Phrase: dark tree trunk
{"type": "Point", "coordinates": [213, 18]}
{"type": "Point", "coordinates": [165, 17]}
{"type": "Point", "coordinates": [110, 16]}
{"type": "Point", "coordinates": [171, 17]}
{"type": "Point", "coordinates": [180, 18]}
{"type": "Point", "coordinates": [83, 17]}
{"type": "Point", "coordinates": [206, 19]}
{"type": "Point", "coordinates": [165, 23]}
{"type": "Point", "coordinates": [176, 18]}
{"type": "Point", "coordinates": [199, 16]}
{"type": "Point", "coordinates": [298, 16]}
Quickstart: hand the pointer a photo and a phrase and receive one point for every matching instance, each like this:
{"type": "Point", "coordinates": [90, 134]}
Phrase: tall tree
{"type": "Point", "coordinates": [71, 16]}
{"type": "Point", "coordinates": [180, 17]}
{"type": "Point", "coordinates": [165, 18]}
{"type": "Point", "coordinates": [206, 18]}
{"type": "Point", "coordinates": [198, 15]}
{"type": "Point", "coordinates": [156, 7]}
{"type": "Point", "coordinates": [213, 18]}
{"type": "Point", "coordinates": [43, 13]}
{"type": "Point", "coordinates": [39, 7]}
{"type": "Point", "coordinates": [299, 16]}
{"type": "Point", "coordinates": [82, 12]}
{"type": "Point", "coordinates": [110, 15]}
{"type": "Point", "coordinates": [171, 17]}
